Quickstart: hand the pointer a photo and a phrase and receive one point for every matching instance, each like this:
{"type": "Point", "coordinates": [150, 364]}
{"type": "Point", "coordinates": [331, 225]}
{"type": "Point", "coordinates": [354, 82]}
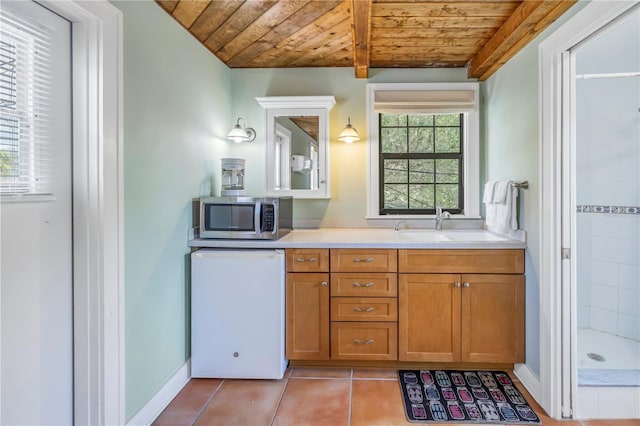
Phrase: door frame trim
{"type": "Point", "coordinates": [553, 126]}
{"type": "Point", "coordinates": [98, 225]}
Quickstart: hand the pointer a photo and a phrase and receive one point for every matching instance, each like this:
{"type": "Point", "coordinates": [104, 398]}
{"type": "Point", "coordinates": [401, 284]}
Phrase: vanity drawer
{"type": "Point", "coordinates": [307, 260]}
{"type": "Point", "coordinates": [364, 340]}
{"type": "Point", "coordinates": [482, 261]}
{"type": "Point", "coordinates": [364, 309]}
{"type": "Point", "coordinates": [368, 285]}
{"type": "Point", "coordinates": [364, 260]}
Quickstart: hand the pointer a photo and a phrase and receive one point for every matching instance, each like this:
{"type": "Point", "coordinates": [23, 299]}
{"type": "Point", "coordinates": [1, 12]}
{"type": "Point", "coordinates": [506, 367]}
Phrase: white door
{"type": "Point", "coordinates": [36, 334]}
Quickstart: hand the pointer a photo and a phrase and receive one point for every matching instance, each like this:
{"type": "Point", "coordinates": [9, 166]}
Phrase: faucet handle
{"type": "Point", "coordinates": [438, 210]}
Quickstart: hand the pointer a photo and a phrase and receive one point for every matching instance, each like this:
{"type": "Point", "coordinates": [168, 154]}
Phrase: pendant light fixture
{"type": "Point", "coordinates": [239, 133]}
{"type": "Point", "coordinates": [349, 134]}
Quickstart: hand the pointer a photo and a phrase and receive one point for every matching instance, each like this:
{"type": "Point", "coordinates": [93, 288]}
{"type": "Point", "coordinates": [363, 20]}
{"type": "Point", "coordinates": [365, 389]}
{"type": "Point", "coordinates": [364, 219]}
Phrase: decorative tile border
{"type": "Point", "coordinates": [608, 209]}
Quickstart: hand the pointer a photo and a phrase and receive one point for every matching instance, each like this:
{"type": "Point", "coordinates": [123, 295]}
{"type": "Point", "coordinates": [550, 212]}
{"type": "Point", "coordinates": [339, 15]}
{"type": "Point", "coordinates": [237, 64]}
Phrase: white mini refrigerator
{"type": "Point", "coordinates": [237, 314]}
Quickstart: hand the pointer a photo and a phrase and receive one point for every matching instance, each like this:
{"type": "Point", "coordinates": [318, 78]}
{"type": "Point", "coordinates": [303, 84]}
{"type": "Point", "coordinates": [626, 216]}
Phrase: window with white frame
{"type": "Point", "coordinates": [423, 149]}
{"type": "Point", "coordinates": [24, 105]}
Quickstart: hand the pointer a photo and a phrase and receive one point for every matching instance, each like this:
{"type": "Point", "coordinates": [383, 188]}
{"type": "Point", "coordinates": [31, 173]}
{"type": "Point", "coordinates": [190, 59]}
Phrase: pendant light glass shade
{"type": "Point", "coordinates": [349, 134]}
{"type": "Point", "coordinates": [239, 133]}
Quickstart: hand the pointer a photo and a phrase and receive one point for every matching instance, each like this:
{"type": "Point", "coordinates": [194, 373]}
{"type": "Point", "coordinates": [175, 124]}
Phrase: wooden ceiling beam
{"type": "Point", "coordinates": [361, 31]}
{"type": "Point", "coordinates": [526, 22]}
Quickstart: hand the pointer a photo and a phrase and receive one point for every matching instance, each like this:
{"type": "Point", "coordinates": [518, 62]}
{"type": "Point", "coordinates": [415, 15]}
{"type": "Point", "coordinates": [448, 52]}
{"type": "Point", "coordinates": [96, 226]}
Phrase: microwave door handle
{"type": "Point", "coordinates": [257, 217]}
{"type": "Point", "coordinates": [276, 206]}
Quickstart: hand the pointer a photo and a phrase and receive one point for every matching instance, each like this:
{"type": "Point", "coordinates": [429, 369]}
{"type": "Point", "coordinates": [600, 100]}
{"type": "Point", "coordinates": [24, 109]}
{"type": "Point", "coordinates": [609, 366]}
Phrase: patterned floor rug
{"type": "Point", "coordinates": [453, 396]}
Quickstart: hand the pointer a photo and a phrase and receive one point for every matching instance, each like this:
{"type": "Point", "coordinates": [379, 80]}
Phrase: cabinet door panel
{"type": "Point", "coordinates": [364, 284]}
{"type": "Point", "coordinates": [307, 326]}
{"type": "Point", "coordinates": [461, 261]}
{"type": "Point", "coordinates": [429, 317]}
{"type": "Point", "coordinates": [364, 309]}
{"type": "Point", "coordinates": [364, 340]}
{"type": "Point", "coordinates": [364, 260]}
{"type": "Point", "coordinates": [307, 260]}
{"type": "Point", "coordinates": [493, 318]}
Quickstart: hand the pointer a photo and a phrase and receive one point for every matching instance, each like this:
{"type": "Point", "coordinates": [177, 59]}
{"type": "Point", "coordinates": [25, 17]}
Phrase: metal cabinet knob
{"type": "Point", "coordinates": [466, 285]}
{"type": "Point", "coordinates": [457, 285]}
{"type": "Point", "coordinates": [324, 284]}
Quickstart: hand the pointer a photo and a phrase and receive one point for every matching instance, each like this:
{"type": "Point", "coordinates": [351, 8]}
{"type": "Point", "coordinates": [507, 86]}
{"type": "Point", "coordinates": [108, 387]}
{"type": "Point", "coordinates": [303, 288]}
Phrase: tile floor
{"type": "Point", "coordinates": [309, 396]}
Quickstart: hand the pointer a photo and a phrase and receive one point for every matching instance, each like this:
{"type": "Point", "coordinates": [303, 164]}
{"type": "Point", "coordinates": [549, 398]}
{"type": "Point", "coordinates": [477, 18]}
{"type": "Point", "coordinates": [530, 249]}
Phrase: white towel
{"type": "Point", "coordinates": [489, 187]}
{"type": "Point", "coordinates": [487, 199]}
{"type": "Point", "coordinates": [502, 211]}
{"type": "Point", "coordinates": [501, 191]}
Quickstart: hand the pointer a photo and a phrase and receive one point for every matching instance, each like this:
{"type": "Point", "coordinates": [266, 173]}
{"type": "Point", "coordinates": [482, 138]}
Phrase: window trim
{"type": "Point", "coordinates": [471, 150]}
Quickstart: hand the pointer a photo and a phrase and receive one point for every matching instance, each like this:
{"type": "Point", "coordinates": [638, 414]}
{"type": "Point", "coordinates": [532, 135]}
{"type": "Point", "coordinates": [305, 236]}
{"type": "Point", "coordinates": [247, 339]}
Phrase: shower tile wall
{"type": "Point", "coordinates": [608, 176]}
{"type": "Point", "coordinates": [608, 273]}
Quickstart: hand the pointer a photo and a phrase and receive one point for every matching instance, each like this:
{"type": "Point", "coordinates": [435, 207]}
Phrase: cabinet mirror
{"type": "Point", "coordinates": [297, 132]}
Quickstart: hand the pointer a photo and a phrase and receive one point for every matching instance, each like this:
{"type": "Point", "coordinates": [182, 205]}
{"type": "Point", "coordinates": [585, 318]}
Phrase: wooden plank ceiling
{"type": "Point", "coordinates": [480, 35]}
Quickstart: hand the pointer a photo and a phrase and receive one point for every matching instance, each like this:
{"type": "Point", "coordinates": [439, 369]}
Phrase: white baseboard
{"type": "Point", "coordinates": [162, 398]}
{"type": "Point", "coordinates": [529, 379]}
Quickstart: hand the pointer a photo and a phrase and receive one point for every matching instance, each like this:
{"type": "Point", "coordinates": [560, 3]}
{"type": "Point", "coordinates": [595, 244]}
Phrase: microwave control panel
{"type": "Point", "coordinates": [268, 217]}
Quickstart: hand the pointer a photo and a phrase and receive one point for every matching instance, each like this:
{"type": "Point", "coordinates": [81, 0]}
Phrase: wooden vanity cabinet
{"type": "Point", "coordinates": [307, 304]}
{"type": "Point", "coordinates": [453, 317]}
{"type": "Point", "coordinates": [415, 305]}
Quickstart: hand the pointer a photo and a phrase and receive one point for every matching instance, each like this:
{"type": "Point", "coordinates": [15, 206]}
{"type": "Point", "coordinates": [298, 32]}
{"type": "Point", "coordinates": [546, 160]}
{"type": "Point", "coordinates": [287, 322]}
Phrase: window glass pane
{"type": "Point", "coordinates": [421, 120]}
{"type": "Point", "coordinates": [421, 162]}
{"type": "Point", "coordinates": [395, 196]}
{"type": "Point", "coordinates": [421, 139]}
{"type": "Point", "coordinates": [394, 139]}
{"type": "Point", "coordinates": [447, 171]}
{"type": "Point", "coordinates": [448, 120]}
{"type": "Point", "coordinates": [421, 171]}
{"type": "Point", "coordinates": [395, 171]}
{"type": "Point", "coordinates": [421, 197]}
{"type": "Point", "coordinates": [447, 196]}
{"type": "Point", "coordinates": [387, 120]}
{"type": "Point", "coordinates": [9, 148]}
{"type": "Point", "coordinates": [447, 139]}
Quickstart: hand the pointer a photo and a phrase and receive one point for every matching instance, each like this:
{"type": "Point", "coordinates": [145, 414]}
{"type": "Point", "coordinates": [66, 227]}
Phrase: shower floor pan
{"type": "Point", "coordinates": [607, 360]}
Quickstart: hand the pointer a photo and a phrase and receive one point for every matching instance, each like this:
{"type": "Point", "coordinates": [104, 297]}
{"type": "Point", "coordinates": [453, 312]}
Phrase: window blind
{"type": "Point", "coordinates": [424, 101]}
{"type": "Point", "coordinates": [25, 103]}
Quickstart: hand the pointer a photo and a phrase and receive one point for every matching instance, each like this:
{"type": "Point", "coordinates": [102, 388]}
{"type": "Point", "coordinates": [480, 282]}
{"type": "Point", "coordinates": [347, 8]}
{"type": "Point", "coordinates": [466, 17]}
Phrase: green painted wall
{"type": "Point", "coordinates": [176, 102]}
{"type": "Point", "coordinates": [511, 135]}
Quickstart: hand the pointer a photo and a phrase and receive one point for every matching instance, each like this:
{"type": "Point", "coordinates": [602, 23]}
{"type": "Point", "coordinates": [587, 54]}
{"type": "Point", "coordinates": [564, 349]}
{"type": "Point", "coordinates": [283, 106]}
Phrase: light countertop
{"type": "Point", "coordinates": [374, 238]}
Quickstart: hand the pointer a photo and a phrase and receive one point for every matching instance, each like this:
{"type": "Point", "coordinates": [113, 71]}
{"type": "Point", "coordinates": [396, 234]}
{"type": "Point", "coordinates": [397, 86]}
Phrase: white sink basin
{"type": "Point", "coordinates": [474, 236]}
{"type": "Point", "coordinates": [431, 236]}
{"type": "Point", "coordinates": [427, 236]}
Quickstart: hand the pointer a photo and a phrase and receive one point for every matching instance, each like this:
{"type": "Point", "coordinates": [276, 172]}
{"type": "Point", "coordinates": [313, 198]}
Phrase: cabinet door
{"type": "Point", "coordinates": [493, 318]}
{"type": "Point", "coordinates": [364, 309]}
{"type": "Point", "coordinates": [362, 284]}
{"type": "Point", "coordinates": [307, 301]}
{"type": "Point", "coordinates": [429, 317]}
{"type": "Point", "coordinates": [307, 260]}
{"type": "Point", "coordinates": [364, 260]}
{"type": "Point", "coordinates": [364, 341]}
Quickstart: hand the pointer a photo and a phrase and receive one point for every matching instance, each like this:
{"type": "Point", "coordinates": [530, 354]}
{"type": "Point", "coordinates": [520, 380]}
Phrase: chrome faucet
{"type": "Point", "coordinates": [440, 217]}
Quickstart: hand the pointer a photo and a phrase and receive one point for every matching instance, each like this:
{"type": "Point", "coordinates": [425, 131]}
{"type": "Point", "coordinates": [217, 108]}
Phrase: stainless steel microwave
{"type": "Point", "coordinates": [259, 218]}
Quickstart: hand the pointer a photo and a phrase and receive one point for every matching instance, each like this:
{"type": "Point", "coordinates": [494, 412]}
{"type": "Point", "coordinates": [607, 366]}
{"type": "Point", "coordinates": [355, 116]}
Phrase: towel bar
{"type": "Point", "coordinates": [523, 184]}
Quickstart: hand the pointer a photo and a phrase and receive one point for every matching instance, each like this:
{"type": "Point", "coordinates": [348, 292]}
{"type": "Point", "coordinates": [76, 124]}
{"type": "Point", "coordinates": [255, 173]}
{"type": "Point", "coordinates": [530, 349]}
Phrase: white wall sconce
{"type": "Point", "coordinates": [349, 134]}
{"type": "Point", "coordinates": [239, 133]}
